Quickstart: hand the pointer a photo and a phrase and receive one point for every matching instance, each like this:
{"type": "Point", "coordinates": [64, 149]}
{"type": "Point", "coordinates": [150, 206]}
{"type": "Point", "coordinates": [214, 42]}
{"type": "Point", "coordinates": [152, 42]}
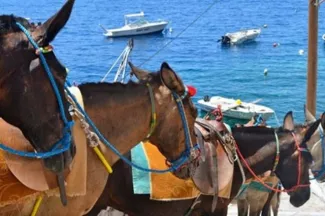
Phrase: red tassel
{"type": "Point", "coordinates": [191, 91]}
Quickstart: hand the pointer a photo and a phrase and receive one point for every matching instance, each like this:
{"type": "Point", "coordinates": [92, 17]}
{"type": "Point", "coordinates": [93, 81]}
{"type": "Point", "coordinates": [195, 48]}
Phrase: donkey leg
{"type": "Point", "coordinates": [256, 205]}
{"type": "Point", "coordinates": [255, 209]}
{"type": "Point", "coordinates": [275, 202]}
{"type": "Point", "coordinates": [219, 212]}
{"type": "Point", "coordinates": [266, 211]}
{"type": "Point", "coordinates": [242, 207]}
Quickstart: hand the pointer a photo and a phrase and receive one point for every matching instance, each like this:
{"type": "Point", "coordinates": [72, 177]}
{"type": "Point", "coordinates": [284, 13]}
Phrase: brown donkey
{"type": "Point", "coordinates": [109, 106]}
{"type": "Point", "coordinates": [255, 198]}
{"type": "Point", "coordinates": [257, 145]}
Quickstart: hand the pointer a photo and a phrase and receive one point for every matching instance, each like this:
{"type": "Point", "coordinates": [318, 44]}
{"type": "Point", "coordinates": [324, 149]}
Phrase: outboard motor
{"type": "Point", "coordinates": [206, 98]}
{"type": "Point", "coordinates": [225, 40]}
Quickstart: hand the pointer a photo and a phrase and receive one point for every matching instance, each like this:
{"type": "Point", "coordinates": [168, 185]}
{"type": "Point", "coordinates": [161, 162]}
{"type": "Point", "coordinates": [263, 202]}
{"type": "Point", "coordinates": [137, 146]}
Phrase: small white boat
{"type": "Point", "coordinates": [323, 37]}
{"type": "Point", "coordinates": [235, 108]}
{"type": "Point", "coordinates": [138, 27]}
{"type": "Point", "coordinates": [240, 36]}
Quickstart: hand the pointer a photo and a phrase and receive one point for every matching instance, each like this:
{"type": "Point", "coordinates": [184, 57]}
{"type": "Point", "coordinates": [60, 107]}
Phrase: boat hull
{"type": "Point", "coordinates": [245, 112]}
{"type": "Point", "coordinates": [240, 37]}
{"type": "Point", "coordinates": [149, 29]}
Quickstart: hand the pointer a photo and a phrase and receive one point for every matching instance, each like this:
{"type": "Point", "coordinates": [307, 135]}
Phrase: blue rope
{"type": "Point", "coordinates": [185, 125]}
{"type": "Point", "coordinates": [258, 120]}
{"type": "Point", "coordinates": [48, 71]}
{"type": "Point", "coordinates": [65, 141]}
{"type": "Point", "coordinates": [175, 165]}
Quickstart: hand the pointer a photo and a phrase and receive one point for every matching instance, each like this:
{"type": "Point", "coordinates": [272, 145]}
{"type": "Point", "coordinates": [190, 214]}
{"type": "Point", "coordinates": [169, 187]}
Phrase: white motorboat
{"type": "Point", "coordinates": [235, 108]}
{"type": "Point", "coordinates": [240, 37]}
{"type": "Point", "coordinates": [323, 37]}
{"type": "Point", "coordinates": [138, 27]}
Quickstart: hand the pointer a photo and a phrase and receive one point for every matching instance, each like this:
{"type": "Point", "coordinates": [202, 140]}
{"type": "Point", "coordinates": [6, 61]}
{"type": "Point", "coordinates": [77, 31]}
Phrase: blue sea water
{"type": "Point", "coordinates": [231, 72]}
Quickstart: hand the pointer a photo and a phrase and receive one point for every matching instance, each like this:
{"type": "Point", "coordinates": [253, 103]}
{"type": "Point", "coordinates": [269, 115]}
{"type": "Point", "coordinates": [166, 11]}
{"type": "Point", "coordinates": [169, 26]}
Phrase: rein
{"type": "Point", "coordinates": [64, 143]}
{"type": "Point", "coordinates": [298, 185]}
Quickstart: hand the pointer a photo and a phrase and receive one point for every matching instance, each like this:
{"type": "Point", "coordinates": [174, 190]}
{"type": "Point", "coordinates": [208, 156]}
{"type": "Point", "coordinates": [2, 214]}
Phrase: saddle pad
{"type": "Point", "coordinates": [269, 180]}
{"type": "Point", "coordinates": [162, 187]}
{"type": "Point", "coordinates": [215, 174]}
{"type": "Point", "coordinates": [204, 175]}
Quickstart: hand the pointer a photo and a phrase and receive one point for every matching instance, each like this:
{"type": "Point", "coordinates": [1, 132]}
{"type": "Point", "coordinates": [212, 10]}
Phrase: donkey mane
{"type": "Point", "coordinates": [8, 24]}
{"type": "Point", "coordinates": [281, 129]}
{"type": "Point", "coordinates": [259, 135]}
{"type": "Point", "coordinates": [254, 130]}
{"type": "Point", "coordinates": [117, 86]}
{"type": "Point", "coordinates": [103, 86]}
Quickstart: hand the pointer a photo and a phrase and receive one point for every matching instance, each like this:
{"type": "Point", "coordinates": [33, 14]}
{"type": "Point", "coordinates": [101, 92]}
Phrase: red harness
{"type": "Point", "coordinates": [269, 187]}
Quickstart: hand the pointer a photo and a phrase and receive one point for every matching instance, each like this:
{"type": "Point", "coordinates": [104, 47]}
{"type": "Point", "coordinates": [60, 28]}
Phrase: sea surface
{"type": "Point", "coordinates": [192, 49]}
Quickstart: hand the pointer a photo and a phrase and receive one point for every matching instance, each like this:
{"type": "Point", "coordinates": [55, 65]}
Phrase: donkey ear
{"type": "Point", "coordinates": [139, 73]}
{"type": "Point", "coordinates": [311, 130]}
{"type": "Point", "coordinates": [170, 79]}
{"type": "Point", "coordinates": [46, 33]}
{"type": "Point", "coordinates": [323, 120]}
{"type": "Point", "coordinates": [308, 116]}
{"type": "Point", "coordinates": [288, 121]}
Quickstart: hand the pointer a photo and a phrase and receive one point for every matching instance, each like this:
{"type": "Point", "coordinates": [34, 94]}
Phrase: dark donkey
{"type": "Point", "coordinates": [30, 95]}
{"type": "Point", "coordinates": [156, 104]}
{"type": "Point", "coordinates": [261, 202]}
{"type": "Point", "coordinates": [257, 145]}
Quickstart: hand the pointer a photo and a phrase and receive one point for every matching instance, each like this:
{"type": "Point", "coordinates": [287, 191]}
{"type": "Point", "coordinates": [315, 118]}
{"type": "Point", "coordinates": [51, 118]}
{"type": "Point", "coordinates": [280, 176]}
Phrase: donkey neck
{"type": "Point", "coordinates": [258, 147]}
{"type": "Point", "coordinates": [122, 112]}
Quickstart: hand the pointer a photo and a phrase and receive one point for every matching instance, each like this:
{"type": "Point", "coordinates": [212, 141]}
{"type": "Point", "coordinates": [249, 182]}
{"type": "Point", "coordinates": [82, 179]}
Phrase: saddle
{"type": "Point", "coordinates": [215, 172]}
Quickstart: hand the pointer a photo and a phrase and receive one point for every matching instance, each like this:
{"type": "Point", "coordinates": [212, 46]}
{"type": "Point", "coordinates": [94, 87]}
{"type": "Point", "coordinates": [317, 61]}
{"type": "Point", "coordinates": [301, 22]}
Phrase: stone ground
{"type": "Point", "coordinates": [314, 207]}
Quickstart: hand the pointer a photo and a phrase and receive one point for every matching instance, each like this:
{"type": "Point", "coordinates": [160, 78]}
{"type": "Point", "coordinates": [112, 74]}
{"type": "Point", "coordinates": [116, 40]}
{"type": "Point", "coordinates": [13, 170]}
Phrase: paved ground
{"type": "Point", "coordinates": [314, 207]}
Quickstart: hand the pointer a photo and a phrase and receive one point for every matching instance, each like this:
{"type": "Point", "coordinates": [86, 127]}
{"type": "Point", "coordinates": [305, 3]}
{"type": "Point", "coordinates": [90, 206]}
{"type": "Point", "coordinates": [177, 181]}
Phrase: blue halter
{"type": "Point", "coordinates": [64, 143]}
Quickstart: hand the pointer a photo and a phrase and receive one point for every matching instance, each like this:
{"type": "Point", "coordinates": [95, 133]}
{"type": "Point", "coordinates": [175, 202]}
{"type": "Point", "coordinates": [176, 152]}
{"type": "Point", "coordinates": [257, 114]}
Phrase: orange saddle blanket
{"type": "Point", "coordinates": [163, 187]}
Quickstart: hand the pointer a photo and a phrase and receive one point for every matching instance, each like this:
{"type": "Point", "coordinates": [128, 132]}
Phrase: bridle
{"type": "Point", "coordinates": [191, 152]}
{"type": "Point", "coordinates": [300, 150]}
{"type": "Point", "coordinates": [64, 143]}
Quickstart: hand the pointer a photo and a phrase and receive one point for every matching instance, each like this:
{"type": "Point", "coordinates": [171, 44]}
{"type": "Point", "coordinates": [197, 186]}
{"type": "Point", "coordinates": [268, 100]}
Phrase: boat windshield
{"type": "Point", "coordinates": [138, 22]}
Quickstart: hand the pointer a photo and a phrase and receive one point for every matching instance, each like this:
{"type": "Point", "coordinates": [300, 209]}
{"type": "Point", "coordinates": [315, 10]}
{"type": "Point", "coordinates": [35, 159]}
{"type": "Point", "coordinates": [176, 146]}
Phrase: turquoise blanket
{"type": "Point", "coordinates": [140, 179]}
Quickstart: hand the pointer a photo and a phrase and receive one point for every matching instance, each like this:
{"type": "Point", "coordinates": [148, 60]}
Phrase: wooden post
{"type": "Point", "coordinates": [312, 55]}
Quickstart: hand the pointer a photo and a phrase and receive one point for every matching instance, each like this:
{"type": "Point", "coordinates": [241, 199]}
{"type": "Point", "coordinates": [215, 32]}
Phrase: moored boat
{"type": "Point", "coordinates": [240, 37]}
{"type": "Point", "coordinates": [138, 27]}
{"type": "Point", "coordinates": [235, 108]}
